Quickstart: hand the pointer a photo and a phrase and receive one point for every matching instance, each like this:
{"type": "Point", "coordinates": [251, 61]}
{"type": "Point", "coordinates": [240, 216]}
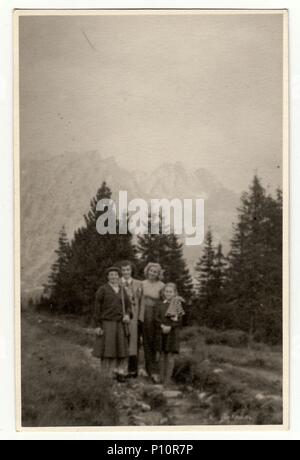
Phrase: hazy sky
{"type": "Point", "coordinates": [205, 90]}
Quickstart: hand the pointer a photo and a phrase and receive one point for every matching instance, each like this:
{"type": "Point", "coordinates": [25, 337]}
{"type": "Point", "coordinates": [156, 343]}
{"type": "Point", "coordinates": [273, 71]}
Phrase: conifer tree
{"type": "Point", "coordinates": [167, 250]}
{"type": "Point", "coordinates": [254, 274]}
{"type": "Point", "coordinates": [219, 272]}
{"type": "Point", "coordinates": [90, 255]}
{"type": "Point", "coordinates": [58, 282]}
{"type": "Point", "coordinates": [175, 268]}
{"type": "Point", "coordinates": [206, 279]}
{"type": "Point", "coordinates": [152, 247]}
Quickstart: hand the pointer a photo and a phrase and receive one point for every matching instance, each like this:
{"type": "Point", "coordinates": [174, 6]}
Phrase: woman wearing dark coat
{"type": "Point", "coordinates": [111, 318]}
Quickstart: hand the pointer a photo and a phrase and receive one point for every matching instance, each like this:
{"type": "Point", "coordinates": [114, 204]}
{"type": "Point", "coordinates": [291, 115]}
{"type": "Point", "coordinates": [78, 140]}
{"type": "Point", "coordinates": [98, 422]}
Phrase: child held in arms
{"type": "Point", "coordinates": [168, 320]}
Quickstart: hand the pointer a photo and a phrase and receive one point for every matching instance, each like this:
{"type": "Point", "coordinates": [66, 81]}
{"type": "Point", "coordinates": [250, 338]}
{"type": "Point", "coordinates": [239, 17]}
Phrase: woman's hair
{"type": "Point", "coordinates": [173, 285]}
{"type": "Point", "coordinates": [153, 265]}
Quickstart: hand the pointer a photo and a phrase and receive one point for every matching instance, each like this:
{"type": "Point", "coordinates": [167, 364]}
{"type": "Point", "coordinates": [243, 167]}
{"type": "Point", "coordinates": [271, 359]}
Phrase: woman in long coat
{"type": "Point", "coordinates": [151, 296]}
{"type": "Point", "coordinates": [111, 318]}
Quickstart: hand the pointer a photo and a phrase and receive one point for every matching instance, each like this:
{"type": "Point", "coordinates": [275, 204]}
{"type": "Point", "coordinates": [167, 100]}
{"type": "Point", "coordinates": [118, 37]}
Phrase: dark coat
{"type": "Point", "coordinates": [167, 343]}
{"type": "Point", "coordinates": [108, 305]}
{"type": "Point", "coordinates": [108, 315]}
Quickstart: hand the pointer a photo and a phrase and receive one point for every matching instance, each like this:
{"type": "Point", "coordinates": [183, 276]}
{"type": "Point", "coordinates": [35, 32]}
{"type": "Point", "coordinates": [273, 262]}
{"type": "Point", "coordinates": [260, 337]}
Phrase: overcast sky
{"type": "Point", "coordinates": [205, 90]}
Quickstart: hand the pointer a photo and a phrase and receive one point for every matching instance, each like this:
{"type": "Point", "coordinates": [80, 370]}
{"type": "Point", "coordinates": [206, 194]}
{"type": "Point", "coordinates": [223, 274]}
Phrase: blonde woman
{"type": "Point", "coordinates": [152, 288]}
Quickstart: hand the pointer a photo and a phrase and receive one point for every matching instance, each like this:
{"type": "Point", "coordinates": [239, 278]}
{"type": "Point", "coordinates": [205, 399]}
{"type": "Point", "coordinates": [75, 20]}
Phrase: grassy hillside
{"type": "Point", "coordinates": [59, 387]}
{"type": "Point", "coordinates": [220, 378]}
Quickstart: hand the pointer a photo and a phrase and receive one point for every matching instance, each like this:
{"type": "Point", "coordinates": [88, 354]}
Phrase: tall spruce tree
{"type": "Point", "coordinates": [219, 272]}
{"type": "Point", "coordinates": [91, 255]}
{"type": "Point", "coordinates": [271, 296]}
{"type": "Point", "coordinates": [58, 282]}
{"type": "Point", "coordinates": [167, 250]}
{"type": "Point", "coordinates": [254, 274]}
{"type": "Point", "coordinates": [246, 258]}
{"type": "Point", "coordinates": [152, 247]}
{"type": "Point", "coordinates": [175, 268]}
{"type": "Point", "coordinates": [206, 280]}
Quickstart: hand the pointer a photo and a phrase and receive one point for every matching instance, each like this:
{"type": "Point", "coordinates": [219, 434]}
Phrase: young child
{"type": "Point", "coordinates": [168, 320]}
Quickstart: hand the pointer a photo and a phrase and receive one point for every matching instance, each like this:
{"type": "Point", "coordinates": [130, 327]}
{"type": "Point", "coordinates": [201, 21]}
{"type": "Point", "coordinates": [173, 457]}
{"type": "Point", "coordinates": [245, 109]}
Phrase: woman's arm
{"type": "Point", "coordinates": [170, 322]}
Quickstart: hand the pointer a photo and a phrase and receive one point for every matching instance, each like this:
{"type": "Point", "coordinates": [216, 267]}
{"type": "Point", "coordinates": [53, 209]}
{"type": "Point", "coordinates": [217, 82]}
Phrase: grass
{"type": "Point", "coordinates": [243, 384]}
{"type": "Point", "coordinates": [241, 380]}
{"type": "Point", "coordinates": [59, 387]}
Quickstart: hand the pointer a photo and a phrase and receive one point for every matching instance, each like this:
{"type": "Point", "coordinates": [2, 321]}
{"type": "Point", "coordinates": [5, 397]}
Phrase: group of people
{"type": "Point", "coordinates": [130, 315]}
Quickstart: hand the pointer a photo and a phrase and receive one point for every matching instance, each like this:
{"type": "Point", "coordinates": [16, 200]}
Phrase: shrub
{"type": "Point", "coordinates": [232, 338]}
{"type": "Point", "coordinates": [190, 332]}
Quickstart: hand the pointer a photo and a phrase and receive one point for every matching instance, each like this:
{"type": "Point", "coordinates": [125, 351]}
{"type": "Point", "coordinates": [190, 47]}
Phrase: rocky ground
{"type": "Point", "coordinates": [227, 391]}
{"type": "Point", "coordinates": [142, 403]}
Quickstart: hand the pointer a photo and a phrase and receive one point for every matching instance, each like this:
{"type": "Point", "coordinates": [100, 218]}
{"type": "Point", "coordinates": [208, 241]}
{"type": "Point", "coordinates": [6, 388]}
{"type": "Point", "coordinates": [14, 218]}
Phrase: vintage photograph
{"type": "Point", "coordinates": [151, 197]}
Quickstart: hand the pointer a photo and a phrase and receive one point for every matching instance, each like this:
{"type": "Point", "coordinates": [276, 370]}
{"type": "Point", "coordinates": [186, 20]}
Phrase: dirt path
{"type": "Point", "coordinates": [141, 403]}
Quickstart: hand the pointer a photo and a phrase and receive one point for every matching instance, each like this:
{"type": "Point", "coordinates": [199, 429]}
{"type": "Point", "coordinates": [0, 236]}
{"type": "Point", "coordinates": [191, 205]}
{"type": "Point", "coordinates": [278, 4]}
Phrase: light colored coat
{"type": "Point", "coordinates": [134, 293]}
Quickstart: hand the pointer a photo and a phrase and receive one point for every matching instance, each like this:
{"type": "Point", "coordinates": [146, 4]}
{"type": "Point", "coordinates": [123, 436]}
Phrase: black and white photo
{"type": "Point", "coordinates": [152, 201]}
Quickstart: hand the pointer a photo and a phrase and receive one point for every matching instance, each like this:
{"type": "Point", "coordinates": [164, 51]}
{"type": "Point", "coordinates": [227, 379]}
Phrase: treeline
{"type": "Point", "coordinates": [244, 289]}
{"type": "Point", "coordinates": [241, 290]}
{"type": "Point", "coordinates": [80, 266]}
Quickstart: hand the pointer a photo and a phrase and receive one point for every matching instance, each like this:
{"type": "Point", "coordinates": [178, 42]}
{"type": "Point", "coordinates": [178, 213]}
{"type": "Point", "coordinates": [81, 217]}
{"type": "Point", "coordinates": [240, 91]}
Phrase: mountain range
{"type": "Point", "coordinates": [56, 191]}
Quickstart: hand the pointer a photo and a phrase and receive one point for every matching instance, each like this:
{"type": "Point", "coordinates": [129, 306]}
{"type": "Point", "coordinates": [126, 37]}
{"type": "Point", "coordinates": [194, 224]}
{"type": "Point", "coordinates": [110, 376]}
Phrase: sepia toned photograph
{"type": "Point", "coordinates": [151, 210]}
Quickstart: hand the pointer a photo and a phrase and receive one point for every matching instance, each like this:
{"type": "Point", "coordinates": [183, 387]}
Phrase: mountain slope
{"type": "Point", "coordinates": [56, 191]}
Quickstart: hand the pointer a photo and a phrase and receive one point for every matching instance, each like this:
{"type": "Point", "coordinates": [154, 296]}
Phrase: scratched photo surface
{"type": "Point", "coordinates": [124, 118]}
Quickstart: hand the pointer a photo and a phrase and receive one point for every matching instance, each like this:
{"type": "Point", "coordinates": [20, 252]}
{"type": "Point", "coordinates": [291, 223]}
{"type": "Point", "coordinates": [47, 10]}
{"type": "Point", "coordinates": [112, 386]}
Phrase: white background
{"type": "Point", "coordinates": [7, 385]}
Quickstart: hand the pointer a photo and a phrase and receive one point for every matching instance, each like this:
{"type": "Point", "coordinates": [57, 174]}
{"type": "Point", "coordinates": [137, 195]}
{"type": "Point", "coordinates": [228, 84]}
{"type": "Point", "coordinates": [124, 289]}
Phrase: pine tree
{"type": "Point", "coordinates": [152, 247]}
{"type": "Point", "coordinates": [271, 298]}
{"type": "Point", "coordinates": [175, 268]}
{"type": "Point", "coordinates": [254, 274]}
{"type": "Point", "coordinates": [206, 280]}
{"type": "Point", "coordinates": [246, 258]}
{"type": "Point", "coordinates": [219, 272]}
{"type": "Point", "coordinates": [58, 282]}
{"type": "Point", "coordinates": [167, 250]}
{"type": "Point", "coordinates": [91, 254]}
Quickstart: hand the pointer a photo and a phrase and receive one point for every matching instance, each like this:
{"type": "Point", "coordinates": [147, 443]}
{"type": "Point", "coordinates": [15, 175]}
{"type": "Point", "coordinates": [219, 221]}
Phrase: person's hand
{"type": "Point", "coordinates": [126, 319]}
{"type": "Point", "coordinates": [166, 329]}
{"type": "Point", "coordinates": [99, 331]}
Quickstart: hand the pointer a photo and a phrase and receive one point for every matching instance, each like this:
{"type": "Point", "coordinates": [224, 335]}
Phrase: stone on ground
{"type": "Point", "coordinates": [168, 394]}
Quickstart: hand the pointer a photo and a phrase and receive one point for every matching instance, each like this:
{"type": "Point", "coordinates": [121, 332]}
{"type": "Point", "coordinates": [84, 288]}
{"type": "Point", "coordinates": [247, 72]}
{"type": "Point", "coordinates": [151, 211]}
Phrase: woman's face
{"type": "Point", "coordinates": [153, 274]}
{"type": "Point", "coordinates": [113, 278]}
{"type": "Point", "coordinates": [169, 292]}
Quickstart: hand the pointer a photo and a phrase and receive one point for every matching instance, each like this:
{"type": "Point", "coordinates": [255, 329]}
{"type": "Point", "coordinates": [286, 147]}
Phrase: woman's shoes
{"type": "Point", "coordinates": [156, 379]}
{"type": "Point", "coordinates": [121, 378]}
{"type": "Point", "coordinates": [142, 373]}
{"type": "Point", "coordinates": [132, 375]}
